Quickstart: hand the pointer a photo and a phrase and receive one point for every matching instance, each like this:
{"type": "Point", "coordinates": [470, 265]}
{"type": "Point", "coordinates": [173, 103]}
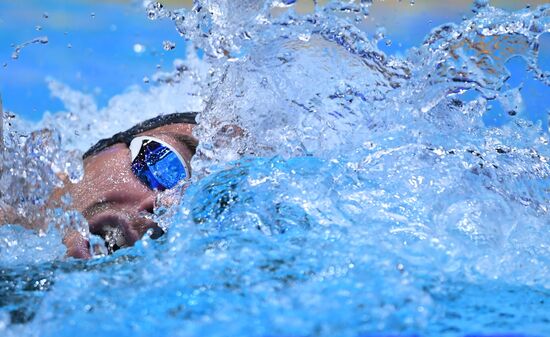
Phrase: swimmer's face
{"type": "Point", "coordinates": [114, 201]}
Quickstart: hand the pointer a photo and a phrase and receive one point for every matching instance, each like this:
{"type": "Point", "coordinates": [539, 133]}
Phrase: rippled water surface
{"type": "Point", "coordinates": [338, 190]}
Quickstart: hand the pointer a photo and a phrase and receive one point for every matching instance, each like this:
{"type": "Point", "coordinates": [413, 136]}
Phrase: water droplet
{"type": "Point", "coordinates": [168, 45]}
{"type": "Point", "coordinates": [304, 37]}
{"type": "Point", "coordinates": [412, 2]}
{"type": "Point", "coordinates": [388, 42]}
{"type": "Point", "coordinates": [379, 34]}
{"type": "Point", "coordinates": [5, 65]}
{"type": "Point", "coordinates": [92, 15]}
{"type": "Point", "coordinates": [146, 79]}
{"type": "Point", "coordinates": [139, 48]}
{"type": "Point", "coordinates": [38, 28]}
{"type": "Point", "coordinates": [69, 45]}
{"type": "Point", "coordinates": [45, 15]}
{"type": "Point", "coordinates": [400, 267]}
{"type": "Point", "coordinates": [155, 10]}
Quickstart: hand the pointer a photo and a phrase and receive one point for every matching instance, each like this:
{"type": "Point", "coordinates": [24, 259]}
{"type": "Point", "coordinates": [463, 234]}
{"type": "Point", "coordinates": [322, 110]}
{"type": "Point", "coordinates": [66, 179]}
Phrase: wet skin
{"type": "Point", "coordinates": [113, 200]}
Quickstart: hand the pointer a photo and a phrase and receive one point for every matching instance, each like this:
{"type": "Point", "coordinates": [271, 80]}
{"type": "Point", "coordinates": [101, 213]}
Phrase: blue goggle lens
{"type": "Point", "coordinates": [158, 167]}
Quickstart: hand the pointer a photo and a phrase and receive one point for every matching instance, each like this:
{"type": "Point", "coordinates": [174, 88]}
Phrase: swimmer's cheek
{"type": "Point", "coordinates": [3, 217]}
{"type": "Point", "coordinates": [77, 246]}
{"type": "Point", "coordinates": [55, 199]}
{"type": "Point", "coordinates": [8, 215]}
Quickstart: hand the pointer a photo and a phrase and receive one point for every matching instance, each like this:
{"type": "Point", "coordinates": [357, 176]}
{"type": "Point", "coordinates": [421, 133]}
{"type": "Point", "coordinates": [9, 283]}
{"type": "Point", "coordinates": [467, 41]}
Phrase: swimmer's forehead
{"type": "Point", "coordinates": [175, 129]}
{"type": "Point", "coordinates": [178, 122]}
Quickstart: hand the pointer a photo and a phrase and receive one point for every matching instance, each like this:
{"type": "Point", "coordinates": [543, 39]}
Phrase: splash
{"type": "Point", "coordinates": [339, 191]}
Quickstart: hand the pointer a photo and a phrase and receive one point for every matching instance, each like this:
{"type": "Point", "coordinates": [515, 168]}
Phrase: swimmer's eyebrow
{"type": "Point", "coordinates": [190, 142]}
{"type": "Point", "coordinates": [95, 208]}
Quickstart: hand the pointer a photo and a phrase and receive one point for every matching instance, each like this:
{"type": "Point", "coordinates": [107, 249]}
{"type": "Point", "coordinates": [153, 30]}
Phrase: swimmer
{"type": "Point", "coordinates": [123, 176]}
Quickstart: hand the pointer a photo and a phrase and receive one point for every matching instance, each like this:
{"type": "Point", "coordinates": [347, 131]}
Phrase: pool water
{"type": "Point", "coordinates": [341, 188]}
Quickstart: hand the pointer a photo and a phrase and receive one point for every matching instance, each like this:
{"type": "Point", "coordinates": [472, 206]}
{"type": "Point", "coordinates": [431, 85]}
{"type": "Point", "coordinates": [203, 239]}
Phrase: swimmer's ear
{"type": "Point", "coordinates": [227, 133]}
{"type": "Point", "coordinates": [232, 130]}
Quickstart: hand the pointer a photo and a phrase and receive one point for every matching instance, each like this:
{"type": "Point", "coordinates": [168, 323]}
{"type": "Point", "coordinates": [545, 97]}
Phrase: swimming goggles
{"type": "Point", "coordinates": [157, 164]}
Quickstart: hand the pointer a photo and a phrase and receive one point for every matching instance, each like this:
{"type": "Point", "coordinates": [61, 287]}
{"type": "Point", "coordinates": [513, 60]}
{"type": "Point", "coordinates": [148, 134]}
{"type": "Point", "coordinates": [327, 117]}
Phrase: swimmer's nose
{"type": "Point", "coordinates": [145, 209]}
{"type": "Point", "coordinates": [77, 246]}
{"type": "Point", "coordinates": [147, 205]}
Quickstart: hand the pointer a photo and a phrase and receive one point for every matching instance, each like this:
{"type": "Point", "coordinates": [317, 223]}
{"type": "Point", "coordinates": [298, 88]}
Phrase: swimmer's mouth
{"type": "Point", "coordinates": [117, 232]}
{"type": "Point", "coordinates": [114, 230]}
{"type": "Point", "coordinates": [114, 238]}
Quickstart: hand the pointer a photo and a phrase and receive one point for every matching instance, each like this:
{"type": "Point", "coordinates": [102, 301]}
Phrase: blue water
{"type": "Point", "coordinates": [338, 190]}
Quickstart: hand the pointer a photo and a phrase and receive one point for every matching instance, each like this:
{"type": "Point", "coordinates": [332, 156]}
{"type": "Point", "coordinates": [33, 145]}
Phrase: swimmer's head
{"type": "Point", "coordinates": [123, 176]}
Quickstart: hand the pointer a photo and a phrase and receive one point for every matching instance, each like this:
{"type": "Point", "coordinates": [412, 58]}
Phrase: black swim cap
{"type": "Point", "coordinates": [153, 123]}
